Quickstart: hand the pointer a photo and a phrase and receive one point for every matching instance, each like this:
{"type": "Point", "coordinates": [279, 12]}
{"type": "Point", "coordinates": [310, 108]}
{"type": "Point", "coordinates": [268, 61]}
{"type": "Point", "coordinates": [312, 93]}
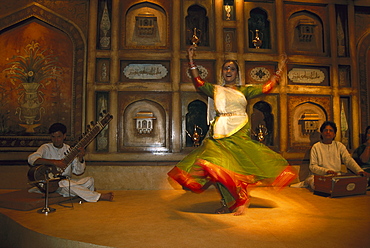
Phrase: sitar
{"type": "Point", "coordinates": [41, 174]}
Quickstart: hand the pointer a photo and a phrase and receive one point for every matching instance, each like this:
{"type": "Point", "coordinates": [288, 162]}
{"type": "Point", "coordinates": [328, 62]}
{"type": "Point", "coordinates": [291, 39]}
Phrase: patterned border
{"type": "Point", "coordinates": [363, 80]}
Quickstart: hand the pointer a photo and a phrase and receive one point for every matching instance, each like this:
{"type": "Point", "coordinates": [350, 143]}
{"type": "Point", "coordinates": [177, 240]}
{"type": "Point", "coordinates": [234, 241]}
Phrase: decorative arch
{"type": "Point", "coordinates": [36, 24]}
{"type": "Point", "coordinates": [197, 24]}
{"type": "Point", "coordinates": [134, 140]}
{"type": "Point", "coordinates": [196, 120]}
{"type": "Point", "coordinates": [363, 54]}
{"type": "Point", "coordinates": [259, 29]}
{"type": "Point", "coordinates": [146, 26]}
{"type": "Point", "coordinates": [306, 33]}
{"type": "Point", "coordinates": [262, 115]}
{"type": "Point", "coordinates": [307, 119]}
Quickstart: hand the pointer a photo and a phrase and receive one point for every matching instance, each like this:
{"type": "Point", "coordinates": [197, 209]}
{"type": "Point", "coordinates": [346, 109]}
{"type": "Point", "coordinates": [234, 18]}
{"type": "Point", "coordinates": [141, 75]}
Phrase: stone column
{"type": "Point", "coordinates": [91, 63]}
{"type": "Point", "coordinates": [283, 117]}
{"type": "Point", "coordinates": [176, 137]}
{"type": "Point", "coordinates": [355, 99]}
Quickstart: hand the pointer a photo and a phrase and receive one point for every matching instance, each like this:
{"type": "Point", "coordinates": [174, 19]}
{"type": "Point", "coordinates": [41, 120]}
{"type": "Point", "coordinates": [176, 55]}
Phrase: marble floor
{"type": "Point", "coordinates": [290, 218]}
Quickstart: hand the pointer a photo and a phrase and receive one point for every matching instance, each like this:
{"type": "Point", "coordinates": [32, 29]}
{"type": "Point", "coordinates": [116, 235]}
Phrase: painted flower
{"type": "Point", "coordinates": [34, 66]}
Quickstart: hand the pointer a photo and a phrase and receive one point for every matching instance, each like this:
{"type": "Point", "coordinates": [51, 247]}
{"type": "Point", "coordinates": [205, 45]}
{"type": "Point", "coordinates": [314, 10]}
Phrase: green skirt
{"type": "Point", "coordinates": [235, 162]}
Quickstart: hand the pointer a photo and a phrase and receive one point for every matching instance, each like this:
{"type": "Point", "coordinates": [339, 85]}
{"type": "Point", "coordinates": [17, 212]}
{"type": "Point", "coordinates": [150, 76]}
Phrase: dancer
{"type": "Point", "coordinates": [228, 156]}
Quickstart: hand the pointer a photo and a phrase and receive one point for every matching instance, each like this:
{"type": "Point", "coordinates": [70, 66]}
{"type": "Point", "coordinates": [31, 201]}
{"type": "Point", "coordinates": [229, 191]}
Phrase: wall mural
{"type": "Point", "coordinates": [35, 79]}
{"type": "Point", "coordinates": [31, 73]}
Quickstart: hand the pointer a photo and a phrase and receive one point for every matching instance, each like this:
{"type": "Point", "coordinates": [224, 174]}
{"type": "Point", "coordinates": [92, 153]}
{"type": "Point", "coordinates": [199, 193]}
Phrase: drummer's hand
{"type": "Point", "coordinates": [364, 174]}
{"type": "Point", "coordinates": [331, 172]}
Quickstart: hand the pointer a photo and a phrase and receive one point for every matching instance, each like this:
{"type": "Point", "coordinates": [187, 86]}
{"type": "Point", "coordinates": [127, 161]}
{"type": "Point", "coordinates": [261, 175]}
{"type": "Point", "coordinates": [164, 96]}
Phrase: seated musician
{"type": "Point", "coordinates": [362, 153]}
{"type": "Point", "coordinates": [328, 155]}
{"type": "Point", "coordinates": [52, 154]}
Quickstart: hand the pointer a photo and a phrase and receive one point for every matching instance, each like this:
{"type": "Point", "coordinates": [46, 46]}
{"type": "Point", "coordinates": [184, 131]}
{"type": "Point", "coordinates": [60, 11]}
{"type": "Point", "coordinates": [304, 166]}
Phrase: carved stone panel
{"type": "Point", "coordinates": [230, 40]}
{"type": "Point", "coordinates": [206, 71]}
{"type": "Point", "coordinates": [144, 122]}
{"type": "Point", "coordinates": [146, 26]}
{"type": "Point", "coordinates": [308, 75]}
{"type": "Point", "coordinates": [342, 30]}
{"type": "Point", "coordinates": [345, 76]}
{"type": "Point", "coordinates": [304, 112]}
{"type": "Point", "coordinates": [104, 24]}
{"type": "Point", "coordinates": [102, 73]}
{"type": "Point", "coordinates": [307, 29]}
{"type": "Point", "coordinates": [258, 73]}
{"type": "Point", "coordinates": [145, 71]}
{"type": "Point", "coordinates": [102, 103]}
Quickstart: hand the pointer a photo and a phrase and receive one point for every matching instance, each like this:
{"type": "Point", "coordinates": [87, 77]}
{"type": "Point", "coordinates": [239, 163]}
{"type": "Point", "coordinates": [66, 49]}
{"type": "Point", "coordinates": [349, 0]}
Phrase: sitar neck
{"type": "Point", "coordinates": [87, 138]}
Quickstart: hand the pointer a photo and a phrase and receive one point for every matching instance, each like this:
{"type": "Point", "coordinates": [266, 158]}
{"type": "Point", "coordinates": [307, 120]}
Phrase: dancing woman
{"type": "Point", "coordinates": [229, 157]}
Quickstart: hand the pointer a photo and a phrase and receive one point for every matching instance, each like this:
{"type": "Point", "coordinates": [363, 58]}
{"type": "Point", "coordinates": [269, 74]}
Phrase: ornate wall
{"type": "Point", "coordinates": [129, 58]}
{"type": "Point", "coordinates": [42, 72]}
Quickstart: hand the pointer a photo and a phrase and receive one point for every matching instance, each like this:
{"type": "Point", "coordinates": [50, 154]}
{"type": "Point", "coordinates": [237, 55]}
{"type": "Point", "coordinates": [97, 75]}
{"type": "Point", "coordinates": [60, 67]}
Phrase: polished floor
{"type": "Point", "coordinates": [291, 218]}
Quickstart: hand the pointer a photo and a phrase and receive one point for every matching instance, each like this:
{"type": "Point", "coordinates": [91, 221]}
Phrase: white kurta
{"type": "Point", "coordinates": [230, 106]}
{"type": "Point", "coordinates": [83, 187]}
{"type": "Point", "coordinates": [325, 157]}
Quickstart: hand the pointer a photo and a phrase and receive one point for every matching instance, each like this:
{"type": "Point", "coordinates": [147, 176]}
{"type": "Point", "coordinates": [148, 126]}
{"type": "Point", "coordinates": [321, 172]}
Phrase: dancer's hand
{"type": "Point", "coordinates": [283, 61]}
{"type": "Point", "coordinates": [191, 51]}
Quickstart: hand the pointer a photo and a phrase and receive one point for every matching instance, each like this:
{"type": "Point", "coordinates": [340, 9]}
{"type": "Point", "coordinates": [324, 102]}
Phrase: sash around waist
{"type": "Point", "coordinates": [231, 114]}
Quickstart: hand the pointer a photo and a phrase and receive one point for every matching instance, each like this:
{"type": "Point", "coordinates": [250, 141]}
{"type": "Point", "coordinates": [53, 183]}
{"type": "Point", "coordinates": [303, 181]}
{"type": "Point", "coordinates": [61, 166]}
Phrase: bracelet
{"type": "Point", "coordinates": [278, 73]}
{"type": "Point", "coordinates": [194, 67]}
{"type": "Point", "coordinates": [191, 64]}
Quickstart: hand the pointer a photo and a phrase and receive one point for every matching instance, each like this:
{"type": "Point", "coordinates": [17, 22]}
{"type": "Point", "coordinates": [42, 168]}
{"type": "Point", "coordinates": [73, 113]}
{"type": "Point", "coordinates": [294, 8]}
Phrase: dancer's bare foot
{"type": "Point", "coordinates": [240, 210]}
{"type": "Point", "coordinates": [106, 196]}
{"type": "Point", "coordinates": [222, 210]}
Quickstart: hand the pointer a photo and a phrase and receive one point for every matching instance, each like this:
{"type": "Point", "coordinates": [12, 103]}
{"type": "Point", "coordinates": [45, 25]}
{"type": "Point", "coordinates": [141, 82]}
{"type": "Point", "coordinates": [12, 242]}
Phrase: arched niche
{"type": "Point", "coordinates": [197, 24]}
{"type": "Point", "coordinates": [306, 122]}
{"type": "Point", "coordinates": [306, 33]}
{"type": "Point", "coordinates": [146, 26]}
{"type": "Point", "coordinates": [259, 29]}
{"type": "Point", "coordinates": [196, 121]}
{"type": "Point", "coordinates": [262, 115]}
{"type": "Point", "coordinates": [138, 115]}
{"type": "Point", "coordinates": [35, 27]}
